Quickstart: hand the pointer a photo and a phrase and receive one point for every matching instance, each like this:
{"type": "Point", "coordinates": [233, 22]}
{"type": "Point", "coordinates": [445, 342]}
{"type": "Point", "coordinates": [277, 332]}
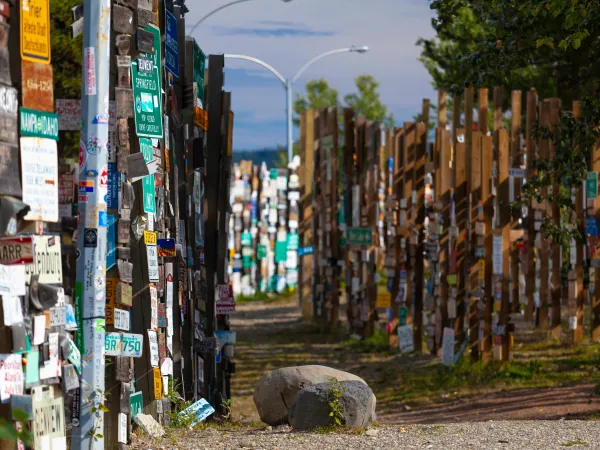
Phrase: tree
{"type": "Point", "coordinates": [319, 95]}
{"type": "Point", "coordinates": [367, 102]}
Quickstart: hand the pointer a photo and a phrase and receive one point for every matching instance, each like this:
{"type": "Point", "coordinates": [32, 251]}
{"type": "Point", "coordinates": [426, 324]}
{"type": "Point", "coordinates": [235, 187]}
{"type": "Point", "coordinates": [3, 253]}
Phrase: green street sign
{"type": "Point", "coordinates": [359, 236]}
{"type": "Point", "coordinates": [246, 239]}
{"type": "Point", "coordinates": [402, 314]}
{"type": "Point", "coordinates": [199, 67]}
{"type": "Point", "coordinates": [147, 91]}
{"type": "Point", "coordinates": [261, 251]}
{"type": "Point", "coordinates": [591, 186]}
{"type": "Point", "coordinates": [135, 404]}
{"type": "Point", "coordinates": [293, 241]}
{"type": "Point", "coordinates": [273, 174]}
{"type": "Point", "coordinates": [148, 182]}
{"type": "Point", "coordinates": [39, 124]}
{"type": "Point", "coordinates": [280, 251]}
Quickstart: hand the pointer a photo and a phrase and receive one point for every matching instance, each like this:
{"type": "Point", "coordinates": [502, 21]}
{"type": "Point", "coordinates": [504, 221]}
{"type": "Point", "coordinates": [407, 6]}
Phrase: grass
{"type": "Point", "coordinates": [575, 443]}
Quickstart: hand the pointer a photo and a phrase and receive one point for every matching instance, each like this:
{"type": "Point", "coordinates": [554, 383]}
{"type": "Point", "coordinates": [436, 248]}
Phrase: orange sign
{"type": "Point", "coordinates": [38, 86]}
{"type": "Point", "coordinates": [201, 118]}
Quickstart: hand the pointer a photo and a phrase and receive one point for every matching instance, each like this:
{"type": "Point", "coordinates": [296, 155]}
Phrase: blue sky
{"type": "Point", "coordinates": [286, 35]}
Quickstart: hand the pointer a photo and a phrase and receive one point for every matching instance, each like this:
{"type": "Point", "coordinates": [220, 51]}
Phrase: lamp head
{"type": "Point", "coordinates": [359, 48]}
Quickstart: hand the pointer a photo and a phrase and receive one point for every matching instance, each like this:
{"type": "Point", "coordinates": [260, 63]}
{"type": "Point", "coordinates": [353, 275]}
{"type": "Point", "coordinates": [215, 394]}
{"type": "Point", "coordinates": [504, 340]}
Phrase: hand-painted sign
{"type": "Point", "coordinates": [359, 236]}
{"type": "Point", "coordinates": [16, 250]}
{"type": "Point", "coordinates": [166, 248]}
{"type": "Point", "coordinates": [152, 255]}
{"type": "Point", "coordinates": [39, 169]}
{"type": "Point", "coordinates": [11, 376]}
{"type": "Point", "coordinates": [147, 93]}
{"type": "Point", "coordinates": [37, 86]}
{"type": "Point", "coordinates": [9, 107]}
{"type": "Point", "coordinates": [48, 420]}
{"type": "Point", "coordinates": [157, 384]}
{"type": "Point", "coordinates": [35, 32]}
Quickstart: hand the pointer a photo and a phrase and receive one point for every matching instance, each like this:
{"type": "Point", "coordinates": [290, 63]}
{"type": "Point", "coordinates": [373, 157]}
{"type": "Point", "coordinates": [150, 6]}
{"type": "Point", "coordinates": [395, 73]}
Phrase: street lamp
{"type": "Point", "coordinates": [214, 11]}
{"type": "Point", "coordinates": [288, 83]}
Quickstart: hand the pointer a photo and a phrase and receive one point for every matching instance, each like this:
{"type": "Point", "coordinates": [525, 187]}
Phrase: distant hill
{"type": "Point", "coordinates": [257, 156]}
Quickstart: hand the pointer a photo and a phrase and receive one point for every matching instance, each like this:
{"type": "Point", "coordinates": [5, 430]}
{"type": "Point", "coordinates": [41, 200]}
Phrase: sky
{"type": "Point", "coordinates": [287, 35]}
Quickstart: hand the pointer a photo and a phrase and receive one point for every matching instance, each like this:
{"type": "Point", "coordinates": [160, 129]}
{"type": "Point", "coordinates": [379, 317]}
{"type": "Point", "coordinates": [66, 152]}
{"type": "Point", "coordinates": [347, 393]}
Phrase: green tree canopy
{"type": "Point", "coordinates": [367, 101]}
{"type": "Point", "coordinates": [319, 95]}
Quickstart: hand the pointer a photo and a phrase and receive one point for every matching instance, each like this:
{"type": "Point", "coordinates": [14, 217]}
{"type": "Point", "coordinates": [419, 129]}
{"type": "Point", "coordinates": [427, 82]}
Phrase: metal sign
{"type": "Point", "coordinates": [37, 86]}
{"type": "Point", "coordinates": [136, 404]}
{"type": "Point", "coordinates": [39, 124]}
{"type": "Point", "coordinates": [199, 67]}
{"type": "Point", "coordinates": [359, 236]}
{"type": "Point", "coordinates": [152, 254]}
{"type": "Point", "coordinates": [157, 384]}
{"type": "Point", "coordinates": [591, 186]}
{"type": "Point", "coordinates": [147, 93]}
{"type": "Point", "coordinates": [16, 250]}
{"type": "Point", "coordinates": [35, 31]}
{"type": "Point", "coordinates": [9, 108]}
{"type": "Point", "coordinates": [39, 169]}
{"type": "Point", "coordinates": [171, 47]}
{"type": "Point", "coordinates": [148, 181]}
{"type": "Point", "coordinates": [47, 260]}
{"type": "Point", "coordinates": [166, 248]}
{"type": "Point", "coordinates": [123, 344]}
{"type": "Point", "coordinates": [121, 319]}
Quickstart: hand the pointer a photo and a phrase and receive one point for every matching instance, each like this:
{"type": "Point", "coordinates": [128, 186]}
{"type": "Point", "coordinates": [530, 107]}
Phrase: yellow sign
{"type": "Point", "coordinates": [481, 270]}
{"type": "Point", "coordinates": [157, 384]}
{"type": "Point", "coordinates": [111, 292]}
{"type": "Point", "coordinates": [201, 118]}
{"type": "Point", "coordinates": [149, 238]}
{"type": "Point", "coordinates": [384, 300]}
{"type": "Point", "coordinates": [35, 30]}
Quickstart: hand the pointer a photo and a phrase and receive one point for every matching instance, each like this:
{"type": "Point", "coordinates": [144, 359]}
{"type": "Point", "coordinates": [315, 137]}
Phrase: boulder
{"type": "Point", "coordinates": [150, 426]}
{"type": "Point", "coordinates": [312, 407]}
{"type": "Point", "coordinates": [275, 392]}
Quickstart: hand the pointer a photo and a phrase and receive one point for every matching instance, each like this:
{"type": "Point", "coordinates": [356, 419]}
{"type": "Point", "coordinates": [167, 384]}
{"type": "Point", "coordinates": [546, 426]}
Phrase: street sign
{"type": "Point", "coordinates": [39, 169]}
{"type": "Point", "coordinates": [35, 31]}
{"type": "Point", "coordinates": [171, 48]}
{"type": "Point", "coordinates": [16, 250]}
{"type": "Point", "coordinates": [148, 181]}
{"type": "Point", "coordinates": [135, 404]}
{"type": "Point", "coordinates": [360, 236]}
{"type": "Point", "coordinates": [199, 67]}
{"type": "Point", "coordinates": [147, 93]}
{"type": "Point", "coordinates": [591, 186]}
{"type": "Point", "coordinates": [123, 344]}
{"type": "Point", "coordinates": [47, 260]}
{"type": "Point", "coordinates": [39, 124]}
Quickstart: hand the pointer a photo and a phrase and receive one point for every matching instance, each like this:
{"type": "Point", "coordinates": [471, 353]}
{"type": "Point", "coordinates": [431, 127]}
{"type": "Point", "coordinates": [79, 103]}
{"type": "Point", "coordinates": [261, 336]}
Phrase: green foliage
{"type": "Point", "coordinates": [333, 398]}
{"type": "Point", "coordinates": [367, 102]}
{"type": "Point", "coordinates": [377, 343]}
{"type": "Point", "coordinates": [176, 419]}
{"type": "Point", "coordinates": [8, 430]}
{"type": "Point", "coordinates": [319, 95]}
{"type": "Point", "coordinates": [226, 405]}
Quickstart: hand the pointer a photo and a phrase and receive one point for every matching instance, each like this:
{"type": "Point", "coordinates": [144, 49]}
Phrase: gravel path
{"type": "Point", "coordinates": [483, 435]}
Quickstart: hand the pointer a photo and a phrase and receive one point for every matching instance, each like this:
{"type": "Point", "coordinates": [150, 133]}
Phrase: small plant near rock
{"type": "Point", "coordinates": [226, 405]}
{"type": "Point", "coordinates": [335, 393]}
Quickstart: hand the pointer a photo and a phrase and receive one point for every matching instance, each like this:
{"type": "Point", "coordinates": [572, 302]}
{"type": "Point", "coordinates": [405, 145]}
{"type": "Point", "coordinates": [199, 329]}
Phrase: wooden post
{"type": "Point", "coordinates": [504, 210]}
{"type": "Point", "coordinates": [419, 183]}
{"type": "Point", "coordinates": [593, 210]}
{"type": "Point", "coordinates": [476, 291]}
{"type": "Point", "coordinates": [461, 199]}
{"type": "Point", "coordinates": [577, 330]}
{"type": "Point", "coordinates": [398, 192]}
{"type": "Point", "coordinates": [557, 283]}
{"type": "Point", "coordinates": [487, 199]}
{"type": "Point", "coordinates": [332, 133]}
{"type": "Point", "coordinates": [348, 157]}
{"type": "Point", "coordinates": [406, 203]}
{"type": "Point", "coordinates": [443, 194]}
{"type": "Point", "coordinates": [515, 187]}
{"type": "Point", "coordinates": [442, 115]}
{"type": "Point", "coordinates": [482, 117]}
{"type": "Point", "coordinates": [372, 131]}
{"type": "Point", "coordinates": [531, 275]}
{"type": "Point", "coordinates": [544, 250]}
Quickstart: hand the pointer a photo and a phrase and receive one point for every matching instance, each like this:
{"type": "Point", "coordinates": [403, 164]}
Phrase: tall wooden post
{"type": "Point", "coordinates": [593, 210]}
{"type": "Point", "coordinates": [348, 160]}
{"type": "Point", "coordinates": [398, 301]}
{"type": "Point", "coordinates": [504, 328]}
{"type": "Point", "coordinates": [557, 283]}
{"type": "Point", "coordinates": [487, 200]}
{"type": "Point", "coordinates": [515, 191]}
{"type": "Point", "coordinates": [407, 206]}
{"type": "Point", "coordinates": [544, 247]}
{"type": "Point", "coordinates": [576, 325]}
{"type": "Point", "coordinates": [419, 183]}
{"type": "Point", "coordinates": [531, 274]}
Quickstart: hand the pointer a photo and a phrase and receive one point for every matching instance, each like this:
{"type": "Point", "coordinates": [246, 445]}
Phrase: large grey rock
{"type": "Point", "coordinates": [312, 407]}
{"type": "Point", "coordinates": [150, 426]}
{"type": "Point", "coordinates": [275, 392]}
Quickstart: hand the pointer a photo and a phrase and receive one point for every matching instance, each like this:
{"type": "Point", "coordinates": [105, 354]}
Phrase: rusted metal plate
{"type": "Point", "coordinates": [146, 17]}
{"type": "Point", "coordinates": [4, 8]}
{"type": "Point", "coordinates": [4, 58]}
{"type": "Point", "coordinates": [9, 170]}
{"type": "Point", "coordinates": [9, 105]}
{"type": "Point", "coordinates": [38, 86]}
{"type": "Point", "coordinates": [122, 19]}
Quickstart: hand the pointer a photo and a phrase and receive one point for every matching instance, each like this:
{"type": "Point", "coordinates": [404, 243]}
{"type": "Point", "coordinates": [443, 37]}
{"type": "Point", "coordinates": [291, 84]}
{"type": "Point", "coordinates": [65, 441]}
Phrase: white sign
{"type": "Point", "coordinates": [11, 376]}
{"type": "Point", "coordinates": [448, 347]}
{"type": "Point", "coordinates": [13, 312]}
{"type": "Point", "coordinates": [69, 114]}
{"type": "Point", "coordinates": [58, 316]}
{"type": "Point", "coordinates": [153, 345]}
{"type": "Point", "coordinates": [48, 420]}
{"type": "Point", "coordinates": [12, 280]}
{"type": "Point", "coordinates": [121, 319]}
{"type": "Point", "coordinates": [39, 170]}
{"type": "Point", "coordinates": [406, 339]}
{"type": "Point", "coordinates": [152, 262]}
{"type": "Point", "coordinates": [497, 255]}
{"type": "Point", "coordinates": [123, 344]}
{"type": "Point", "coordinates": [169, 312]}
{"type": "Point", "coordinates": [166, 367]}
{"type": "Point", "coordinates": [122, 432]}
{"type": "Point", "coordinates": [516, 173]}
{"type": "Point", "coordinates": [47, 260]}
{"type": "Point", "coordinates": [153, 308]}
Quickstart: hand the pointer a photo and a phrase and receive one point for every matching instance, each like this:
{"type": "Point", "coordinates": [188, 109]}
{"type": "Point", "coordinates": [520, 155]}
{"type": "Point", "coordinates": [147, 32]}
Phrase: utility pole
{"type": "Point", "coordinates": [92, 228]}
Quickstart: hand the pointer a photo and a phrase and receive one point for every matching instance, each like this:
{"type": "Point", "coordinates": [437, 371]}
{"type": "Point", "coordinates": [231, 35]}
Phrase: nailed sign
{"type": "Point", "coordinates": [39, 124]}
{"type": "Point", "coordinates": [9, 169]}
{"type": "Point", "coordinates": [171, 50]}
{"type": "Point", "coordinates": [47, 260]}
{"type": "Point", "coordinates": [123, 344]}
{"type": "Point", "coordinates": [37, 86]}
{"type": "Point", "coordinates": [147, 93]}
{"type": "Point", "coordinates": [35, 31]}
{"type": "Point", "coordinates": [39, 169]}
{"type": "Point", "coordinates": [16, 250]}
{"type": "Point", "coordinates": [148, 181]}
{"type": "Point", "coordinates": [9, 107]}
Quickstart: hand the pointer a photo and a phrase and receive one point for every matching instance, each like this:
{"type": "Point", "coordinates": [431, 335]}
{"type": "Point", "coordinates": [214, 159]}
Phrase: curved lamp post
{"type": "Point", "coordinates": [288, 83]}
{"type": "Point", "coordinates": [220, 8]}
